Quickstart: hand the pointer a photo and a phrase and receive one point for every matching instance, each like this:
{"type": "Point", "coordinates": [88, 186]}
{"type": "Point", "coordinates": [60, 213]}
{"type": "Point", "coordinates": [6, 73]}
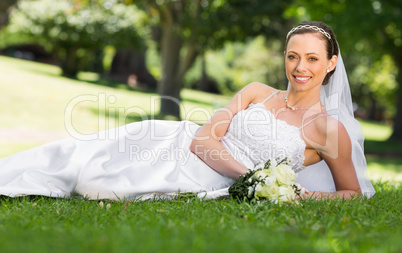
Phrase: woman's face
{"type": "Point", "coordinates": [306, 61]}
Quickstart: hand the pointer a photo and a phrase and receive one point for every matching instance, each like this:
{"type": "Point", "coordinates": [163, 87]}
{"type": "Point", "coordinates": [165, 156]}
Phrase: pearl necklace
{"type": "Point", "coordinates": [293, 108]}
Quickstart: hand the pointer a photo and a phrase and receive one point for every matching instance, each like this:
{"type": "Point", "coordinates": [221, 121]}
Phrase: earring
{"type": "Point", "coordinates": [327, 70]}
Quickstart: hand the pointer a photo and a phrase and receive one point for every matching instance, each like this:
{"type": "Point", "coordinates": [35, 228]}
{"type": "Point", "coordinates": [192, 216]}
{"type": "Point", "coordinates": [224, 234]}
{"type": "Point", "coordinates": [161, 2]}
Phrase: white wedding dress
{"type": "Point", "coordinates": [145, 159]}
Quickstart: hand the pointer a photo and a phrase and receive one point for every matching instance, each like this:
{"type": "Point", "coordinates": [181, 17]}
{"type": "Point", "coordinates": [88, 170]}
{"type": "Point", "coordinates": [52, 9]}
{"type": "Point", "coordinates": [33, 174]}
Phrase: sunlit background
{"type": "Point", "coordinates": [121, 54]}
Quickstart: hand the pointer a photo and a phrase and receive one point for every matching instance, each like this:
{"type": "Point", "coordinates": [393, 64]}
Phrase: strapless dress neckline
{"type": "Point", "coordinates": [255, 135]}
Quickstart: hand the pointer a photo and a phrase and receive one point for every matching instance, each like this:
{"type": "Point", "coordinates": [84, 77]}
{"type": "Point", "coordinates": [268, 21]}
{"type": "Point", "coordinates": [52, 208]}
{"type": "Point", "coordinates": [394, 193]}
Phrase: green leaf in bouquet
{"type": "Point", "coordinates": [239, 189]}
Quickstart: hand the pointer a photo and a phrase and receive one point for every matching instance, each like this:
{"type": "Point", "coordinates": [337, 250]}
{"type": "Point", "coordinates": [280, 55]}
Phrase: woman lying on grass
{"type": "Point", "coordinates": [311, 123]}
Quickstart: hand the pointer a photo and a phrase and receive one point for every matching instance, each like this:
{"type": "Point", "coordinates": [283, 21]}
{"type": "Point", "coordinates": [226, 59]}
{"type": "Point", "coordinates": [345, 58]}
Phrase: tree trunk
{"type": "Point", "coordinates": [192, 51]}
{"type": "Point", "coordinates": [170, 85]}
{"type": "Point", "coordinates": [207, 84]}
{"type": "Point", "coordinates": [204, 77]}
{"type": "Point", "coordinates": [173, 67]}
{"type": "Point", "coordinates": [397, 132]}
{"type": "Point", "coordinates": [69, 63]}
{"type": "Point", "coordinates": [130, 66]}
{"type": "Point", "coordinates": [372, 115]}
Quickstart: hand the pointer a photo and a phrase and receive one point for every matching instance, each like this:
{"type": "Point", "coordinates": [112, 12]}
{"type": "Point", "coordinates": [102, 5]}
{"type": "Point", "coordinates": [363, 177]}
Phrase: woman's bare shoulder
{"type": "Point", "coordinates": [332, 134]}
{"type": "Point", "coordinates": [257, 89]}
{"type": "Point", "coordinates": [260, 86]}
{"type": "Point", "coordinates": [326, 124]}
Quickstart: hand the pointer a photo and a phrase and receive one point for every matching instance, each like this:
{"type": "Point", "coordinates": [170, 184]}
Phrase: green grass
{"type": "Point", "coordinates": [384, 169]}
{"type": "Point", "coordinates": [34, 99]}
{"type": "Point", "coordinates": [39, 224]}
{"type": "Point", "coordinates": [376, 131]}
{"type": "Point", "coordinates": [384, 157]}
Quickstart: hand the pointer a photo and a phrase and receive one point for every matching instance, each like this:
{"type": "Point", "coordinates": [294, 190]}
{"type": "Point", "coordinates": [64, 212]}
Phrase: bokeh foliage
{"type": "Point", "coordinates": [190, 28]}
{"type": "Point", "coordinates": [239, 63]}
{"type": "Point", "coordinates": [241, 40]}
{"type": "Point", "coordinates": [75, 30]}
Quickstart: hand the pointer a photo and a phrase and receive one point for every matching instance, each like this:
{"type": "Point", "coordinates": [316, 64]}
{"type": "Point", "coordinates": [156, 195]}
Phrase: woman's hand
{"type": "Point", "coordinates": [326, 195]}
{"type": "Point", "coordinates": [307, 194]}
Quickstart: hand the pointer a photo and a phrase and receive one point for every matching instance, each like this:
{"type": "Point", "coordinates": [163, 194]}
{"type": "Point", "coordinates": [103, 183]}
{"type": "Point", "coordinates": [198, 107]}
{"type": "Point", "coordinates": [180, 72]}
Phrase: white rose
{"type": "Point", "coordinates": [286, 194]}
{"type": "Point", "coordinates": [250, 191]}
{"type": "Point", "coordinates": [269, 180]}
{"type": "Point", "coordinates": [284, 174]}
{"type": "Point", "coordinates": [273, 164]}
{"type": "Point", "coordinates": [267, 191]}
{"type": "Point", "coordinates": [258, 187]}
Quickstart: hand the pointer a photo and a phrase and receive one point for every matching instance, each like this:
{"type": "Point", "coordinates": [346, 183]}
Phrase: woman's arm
{"type": "Point", "coordinates": [337, 153]}
{"type": "Point", "coordinates": [206, 143]}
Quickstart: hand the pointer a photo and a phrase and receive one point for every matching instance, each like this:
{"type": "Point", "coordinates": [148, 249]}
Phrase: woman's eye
{"type": "Point", "coordinates": [313, 59]}
{"type": "Point", "coordinates": [291, 57]}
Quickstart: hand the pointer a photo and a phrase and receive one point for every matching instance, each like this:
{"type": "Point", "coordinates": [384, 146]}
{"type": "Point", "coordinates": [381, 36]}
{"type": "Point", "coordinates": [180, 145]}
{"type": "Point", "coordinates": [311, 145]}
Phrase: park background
{"type": "Point", "coordinates": [98, 64]}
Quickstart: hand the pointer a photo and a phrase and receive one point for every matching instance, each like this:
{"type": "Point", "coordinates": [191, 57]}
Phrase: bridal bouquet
{"type": "Point", "coordinates": [271, 181]}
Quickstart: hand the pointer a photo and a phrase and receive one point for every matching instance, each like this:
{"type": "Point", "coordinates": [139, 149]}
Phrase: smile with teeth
{"type": "Point", "coordinates": [302, 79]}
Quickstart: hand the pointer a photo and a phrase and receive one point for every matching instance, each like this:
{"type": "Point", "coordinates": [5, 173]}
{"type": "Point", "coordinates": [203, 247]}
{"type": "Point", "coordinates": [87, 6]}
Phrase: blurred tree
{"type": "Point", "coordinates": [4, 11]}
{"type": "Point", "coordinates": [76, 30]}
{"type": "Point", "coordinates": [261, 62]}
{"type": "Point", "coordinates": [188, 28]}
{"type": "Point", "coordinates": [379, 86]}
{"type": "Point", "coordinates": [371, 28]}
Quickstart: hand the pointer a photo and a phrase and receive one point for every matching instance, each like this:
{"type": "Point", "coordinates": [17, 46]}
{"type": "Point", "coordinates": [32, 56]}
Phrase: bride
{"type": "Point", "coordinates": [312, 123]}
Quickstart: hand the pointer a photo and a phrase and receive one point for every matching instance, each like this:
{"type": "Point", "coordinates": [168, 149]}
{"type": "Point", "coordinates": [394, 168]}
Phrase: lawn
{"type": "Point", "coordinates": [35, 106]}
{"type": "Point", "coordinates": [39, 224]}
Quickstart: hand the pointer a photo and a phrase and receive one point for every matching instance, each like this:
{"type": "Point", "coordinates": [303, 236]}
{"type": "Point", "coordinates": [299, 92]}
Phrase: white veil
{"type": "Point", "coordinates": [337, 100]}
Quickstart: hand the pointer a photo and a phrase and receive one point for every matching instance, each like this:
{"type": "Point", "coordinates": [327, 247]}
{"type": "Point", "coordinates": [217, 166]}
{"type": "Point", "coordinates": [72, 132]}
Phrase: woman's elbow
{"type": "Point", "coordinates": [194, 144]}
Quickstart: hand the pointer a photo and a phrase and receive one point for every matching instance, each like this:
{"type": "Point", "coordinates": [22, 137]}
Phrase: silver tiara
{"type": "Point", "coordinates": [311, 27]}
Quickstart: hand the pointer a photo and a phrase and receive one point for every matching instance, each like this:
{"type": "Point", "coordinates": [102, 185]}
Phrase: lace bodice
{"type": "Point", "coordinates": [256, 135]}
